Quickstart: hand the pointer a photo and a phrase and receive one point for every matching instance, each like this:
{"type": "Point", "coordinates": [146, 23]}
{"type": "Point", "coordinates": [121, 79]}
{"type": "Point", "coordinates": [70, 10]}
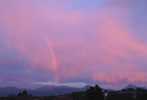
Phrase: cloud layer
{"type": "Point", "coordinates": [99, 45]}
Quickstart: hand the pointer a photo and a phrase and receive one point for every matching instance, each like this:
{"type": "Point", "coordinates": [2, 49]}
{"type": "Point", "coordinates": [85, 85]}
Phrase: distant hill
{"type": "Point", "coordinates": [54, 90]}
{"type": "Point", "coordinates": [7, 91]}
{"type": "Point", "coordinates": [42, 91]}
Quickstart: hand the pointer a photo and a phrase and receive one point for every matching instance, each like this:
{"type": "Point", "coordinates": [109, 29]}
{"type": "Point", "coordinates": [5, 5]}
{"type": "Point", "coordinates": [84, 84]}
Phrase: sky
{"type": "Point", "coordinates": [73, 42]}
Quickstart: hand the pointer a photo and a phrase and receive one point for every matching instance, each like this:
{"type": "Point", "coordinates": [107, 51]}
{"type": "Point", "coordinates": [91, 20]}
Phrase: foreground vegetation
{"type": "Point", "coordinates": [92, 93]}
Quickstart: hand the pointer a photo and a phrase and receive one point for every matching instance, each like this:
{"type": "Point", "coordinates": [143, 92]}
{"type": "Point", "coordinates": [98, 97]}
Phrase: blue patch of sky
{"type": "Point", "coordinates": [138, 20]}
{"type": "Point", "coordinates": [86, 4]}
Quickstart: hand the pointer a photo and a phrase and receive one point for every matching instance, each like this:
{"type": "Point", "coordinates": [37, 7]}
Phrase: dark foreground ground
{"type": "Point", "coordinates": [92, 93]}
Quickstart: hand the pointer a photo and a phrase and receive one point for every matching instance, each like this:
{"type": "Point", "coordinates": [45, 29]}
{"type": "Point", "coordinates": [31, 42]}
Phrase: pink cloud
{"type": "Point", "coordinates": [73, 43]}
{"type": "Point", "coordinates": [118, 45]}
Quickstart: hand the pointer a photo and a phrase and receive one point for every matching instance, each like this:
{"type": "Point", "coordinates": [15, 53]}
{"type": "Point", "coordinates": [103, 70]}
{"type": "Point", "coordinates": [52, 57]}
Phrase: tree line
{"type": "Point", "coordinates": [92, 93]}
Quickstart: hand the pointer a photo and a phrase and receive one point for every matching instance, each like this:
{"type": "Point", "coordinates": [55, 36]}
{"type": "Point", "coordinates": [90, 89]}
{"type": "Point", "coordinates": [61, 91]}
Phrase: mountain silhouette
{"type": "Point", "coordinates": [48, 90]}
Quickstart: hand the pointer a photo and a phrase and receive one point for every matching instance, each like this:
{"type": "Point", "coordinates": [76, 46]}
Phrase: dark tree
{"type": "Point", "coordinates": [23, 93]}
{"type": "Point", "coordinates": [95, 93]}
